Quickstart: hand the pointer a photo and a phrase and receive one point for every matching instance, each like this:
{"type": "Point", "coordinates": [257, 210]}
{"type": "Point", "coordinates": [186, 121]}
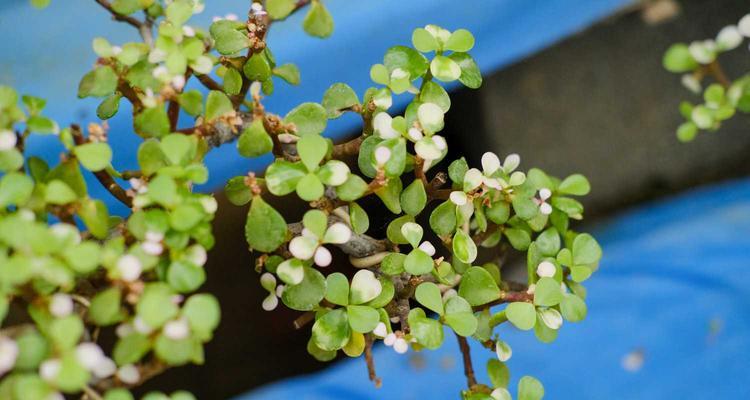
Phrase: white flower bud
{"type": "Point", "coordinates": [8, 354]}
{"type": "Point", "coordinates": [141, 326]}
{"type": "Point", "coordinates": [129, 374]}
{"type": "Point", "coordinates": [49, 369]}
{"type": "Point", "coordinates": [545, 208]}
{"type": "Point", "coordinates": [380, 330]}
{"type": "Point", "coordinates": [322, 257]}
{"type": "Point", "coordinates": [390, 339]}
{"type": "Point", "coordinates": [458, 198]}
{"type": "Point", "coordinates": [60, 305]}
{"type": "Point", "coordinates": [105, 368]}
{"type": "Point", "coordinates": [428, 248]}
{"type": "Point", "coordinates": [188, 31]}
{"type": "Point", "coordinates": [130, 267]}
{"type": "Point", "coordinates": [197, 255]}
{"type": "Point", "coordinates": [744, 25]}
{"type": "Point", "coordinates": [691, 83]}
{"type": "Point", "coordinates": [270, 302]}
{"type": "Point", "coordinates": [8, 140]}
{"type": "Point", "coordinates": [152, 248]}
{"type": "Point", "coordinates": [382, 155]}
{"type": "Point", "coordinates": [178, 82]}
{"type": "Point", "coordinates": [231, 17]}
{"type": "Point", "coordinates": [729, 38]}
{"type": "Point", "coordinates": [177, 329]}
{"type": "Point", "coordinates": [89, 355]}
{"type": "Point", "coordinates": [490, 163]}
{"type": "Point", "coordinates": [154, 236]}
{"type": "Point", "coordinates": [209, 204]}
{"type": "Point", "coordinates": [546, 269]}
{"type": "Point", "coordinates": [401, 346]}
{"type": "Point", "coordinates": [415, 134]}
{"type": "Point", "coordinates": [545, 193]}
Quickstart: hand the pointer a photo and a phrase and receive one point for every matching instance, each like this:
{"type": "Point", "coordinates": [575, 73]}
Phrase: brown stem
{"type": "Point", "coordinates": [303, 320]}
{"type": "Point", "coordinates": [117, 17]}
{"type": "Point", "coordinates": [371, 362]}
{"type": "Point", "coordinates": [463, 344]}
{"type": "Point", "coordinates": [173, 112]}
{"type": "Point", "coordinates": [208, 82]}
{"type": "Point", "coordinates": [102, 176]}
{"type": "Point", "coordinates": [349, 148]}
{"type": "Point", "coordinates": [718, 73]}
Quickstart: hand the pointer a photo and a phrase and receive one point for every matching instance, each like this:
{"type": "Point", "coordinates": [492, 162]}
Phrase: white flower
{"type": "Point", "coordinates": [458, 198]}
{"type": "Point", "coordinates": [380, 330]}
{"type": "Point", "coordinates": [382, 155]}
{"type": "Point", "coordinates": [546, 269]}
{"type": "Point", "coordinates": [8, 140]}
{"type": "Point", "coordinates": [60, 305]}
{"type": "Point", "coordinates": [544, 207]}
{"type": "Point", "coordinates": [729, 38]}
{"type": "Point", "coordinates": [322, 257]}
{"type": "Point", "coordinates": [129, 374]}
{"type": "Point", "coordinates": [49, 369]}
{"type": "Point", "coordinates": [744, 25]}
{"type": "Point", "coordinates": [130, 267]}
{"type": "Point", "coordinates": [400, 346]}
{"type": "Point", "coordinates": [428, 248]}
{"type": "Point", "coordinates": [177, 329]}
{"type": "Point", "coordinates": [383, 125]}
{"type": "Point", "coordinates": [89, 355]}
{"type": "Point", "coordinates": [8, 354]}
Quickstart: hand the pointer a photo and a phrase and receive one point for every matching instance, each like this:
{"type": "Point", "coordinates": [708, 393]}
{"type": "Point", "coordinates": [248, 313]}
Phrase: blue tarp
{"type": "Point", "coordinates": [46, 52]}
{"type": "Point", "coordinates": [672, 287]}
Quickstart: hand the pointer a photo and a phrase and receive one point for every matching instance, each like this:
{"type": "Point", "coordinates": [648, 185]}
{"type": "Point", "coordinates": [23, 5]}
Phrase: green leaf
{"type": "Point", "coordinates": [174, 352]}
{"type": "Point", "coordinates": [265, 229]}
{"type": "Point", "coordinates": [412, 232]}
{"type": "Point", "coordinates": [548, 242]}
{"type": "Point", "coordinates": [407, 59]}
{"type": "Point", "coordinates": [423, 40]}
{"type": "Point", "coordinates": [94, 156]}
{"type": "Point", "coordinates": [338, 97]}
{"type": "Point", "coordinates": [470, 75]}
{"type": "Point", "coordinates": [109, 107]}
{"type": "Point", "coordinates": [65, 332]}
{"type": "Point", "coordinates": [498, 373]}
{"type": "Point", "coordinates": [257, 68]}
{"type": "Point", "coordinates": [179, 12]}
{"type": "Point", "coordinates": [575, 184]}
{"type": "Point", "coordinates": [434, 93]}
{"type": "Point", "coordinates": [105, 307]}
{"type": "Point", "coordinates": [100, 82]}
{"type": "Point", "coordinates": [464, 247]}
{"type": "Point", "coordinates": [156, 306]}
{"type": "Point", "coordinates": [192, 102]}
{"type": "Point", "coordinates": [42, 125]}
{"type": "Point", "coordinates": [288, 72]}
{"type": "Point", "coordinates": [232, 81]}
{"type": "Point", "coordinates": [308, 118]}
{"type": "Point", "coordinates": [72, 376]}
{"type": "Point", "coordinates": [352, 189]}
{"type": "Point", "coordinates": [59, 193]}
{"type": "Point", "coordinates": [443, 218]}
{"type": "Point", "coordinates": [318, 21]}
{"type": "Point", "coordinates": [217, 105]}
{"type": "Point", "coordinates": [678, 59]}
{"type": "Point", "coordinates": [126, 7]}
{"type": "Point", "coordinates": [365, 287]}
{"type": "Point", "coordinates": [185, 277]}
{"type": "Point", "coordinates": [332, 331]}
{"type": "Point", "coordinates": [586, 250]}
{"type": "Point", "coordinates": [15, 189]}
{"type": "Point", "coordinates": [32, 350]}
{"type": "Point", "coordinates": [280, 9]}
{"type": "Point", "coordinates": [530, 389]}
{"type": "Point", "coordinates": [445, 69]}
{"type": "Point", "coordinates": [547, 292]}
{"type": "Point", "coordinates": [418, 263]}
{"type": "Point", "coordinates": [427, 331]}
{"type": "Point", "coordinates": [359, 220]}
{"type": "Point", "coordinates": [310, 188]}
{"type": "Point", "coordinates": [202, 312]}
{"type": "Point", "coordinates": [306, 295]}
{"type": "Point", "coordinates": [362, 319]}
{"type": "Point", "coordinates": [316, 222]}
{"type": "Point", "coordinates": [573, 308]}
{"type": "Point", "coordinates": [428, 294]}
{"type": "Point", "coordinates": [390, 195]}
{"type": "Point", "coordinates": [337, 289]}
{"type": "Point", "coordinates": [83, 257]}
{"type": "Point", "coordinates": [228, 40]}
{"type": "Point", "coordinates": [522, 315]}
{"type": "Point", "coordinates": [95, 215]}
{"type": "Point", "coordinates": [460, 316]}
{"type": "Point", "coordinates": [254, 140]}
{"type": "Point", "coordinates": [131, 348]}
{"type": "Point", "coordinates": [237, 192]}
{"type": "Point", "coordinates": [152, 122]}
{"type": "Point", "coordinates": [393, 264]}
{"type": "Point", "coordinates": [478, 287]}
{"type": "Point", "coordinates": [312, 149]}
{"type": "Point", "coordinates": [282, 176]}
{"type": "Point", "coordinates": [460, 40]}
{"type": "Point", "coordinates": [414, 198]}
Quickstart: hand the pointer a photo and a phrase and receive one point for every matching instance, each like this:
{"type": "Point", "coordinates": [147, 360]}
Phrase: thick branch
{"type": "Point", "coordinates": [358, 246]}
{"type": "Point", "coordinates": [371, 361]}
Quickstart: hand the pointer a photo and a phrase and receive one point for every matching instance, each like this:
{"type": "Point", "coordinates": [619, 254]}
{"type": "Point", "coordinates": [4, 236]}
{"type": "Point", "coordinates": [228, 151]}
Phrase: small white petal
{"type": "Point", "coordinates": [49, 369]}
{"type": "Point", "coordinates": [691, 83]}
{"type": "Point", "coordinates": [270, 302]}
{"type": "Point", "coordinates": [337, 233]}
{"type": "Point", "coordinates": [415, 134]}
{"type": "Point", "coordinates": [130, 267]}
{"type": "Point", "coordinates": [8, 140]}
{"type": "Point", "coordinates": [154, 236]}
{"type": "Point", "coordinates": [141, 326]}
{"type": "Point", "coordinates": [177, 329]}
{"type": "Point", "coordinates": [401, 346]}
{"type": "Point", "coordinates": [382, 155]}
{"type": "Point", "coordinates": [280, 290]}
{"type": "Point", "coordinates": [322, 257]}
{"type": "Point", "coordinates": [428, 248]}
{"type": "Point", "coordinates": [546, 269]}
{"type": "Point", "coordinates": [744, 25]}
{"type": "Point", "coordinates": [545, 208]}
{"type": "Point", "coordinates": [129, 374]}
{"type": "Point", "coordinates": [255, 88]}
{"type": "Point", "coordinates": [545, 193]}
{"type": "Point", "coordinates": [61, 305]}
{"type": "Point", "coordinates": [380, 330]}
{"type": "Point", "coordinates": [390, 339]}
{"type": "Point", "coordinates": [152, 248]}
{"type": "Point", "coordinates": [231, 17]}
{"type": "Point", "coordinates": [490, 163]}
{"type": "Point", "coordinates": [89, 355]}
{"type": "Point", "coordinates": [303, 247]}
{"type": "Point", "coordinates": [458, 198]}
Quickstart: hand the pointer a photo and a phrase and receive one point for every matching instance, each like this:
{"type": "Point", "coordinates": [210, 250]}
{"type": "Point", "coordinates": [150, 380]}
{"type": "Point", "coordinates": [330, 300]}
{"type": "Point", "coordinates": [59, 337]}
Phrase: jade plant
{"type": "Point", "coordinates": [72, 273]}
{"type": "Point", "coordinates": [723, 97]}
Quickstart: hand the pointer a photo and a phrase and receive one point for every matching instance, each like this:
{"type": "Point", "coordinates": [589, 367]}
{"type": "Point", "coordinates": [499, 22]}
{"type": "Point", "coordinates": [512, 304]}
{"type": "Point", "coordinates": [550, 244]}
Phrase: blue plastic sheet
{"type": "Point", "coordinates": [48, 51]}
{"type": "Point", "coordinates": [672, 287]}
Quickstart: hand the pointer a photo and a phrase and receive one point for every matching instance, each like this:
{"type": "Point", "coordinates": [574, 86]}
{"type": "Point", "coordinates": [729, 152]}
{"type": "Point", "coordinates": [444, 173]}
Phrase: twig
{"type": "Point", "coordinates": [718, 73]}
{"type": "Point", "coordinates": [463, 344]}
{"type": "Point", "coordinates": [348, 148]}
{"type": "Point", "coordinates": [102, 176]}
{"type": "Point", "coordinates": [371, 362]}
{"type": "Point", "coordinates": [118, 17]}
{"type": "Point", "coordinates": [91, 393]}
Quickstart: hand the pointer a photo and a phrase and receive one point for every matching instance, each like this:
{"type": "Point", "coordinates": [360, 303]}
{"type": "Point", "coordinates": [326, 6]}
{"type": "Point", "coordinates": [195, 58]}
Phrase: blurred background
{"type": "Point", "coordinates": [571, 86]}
